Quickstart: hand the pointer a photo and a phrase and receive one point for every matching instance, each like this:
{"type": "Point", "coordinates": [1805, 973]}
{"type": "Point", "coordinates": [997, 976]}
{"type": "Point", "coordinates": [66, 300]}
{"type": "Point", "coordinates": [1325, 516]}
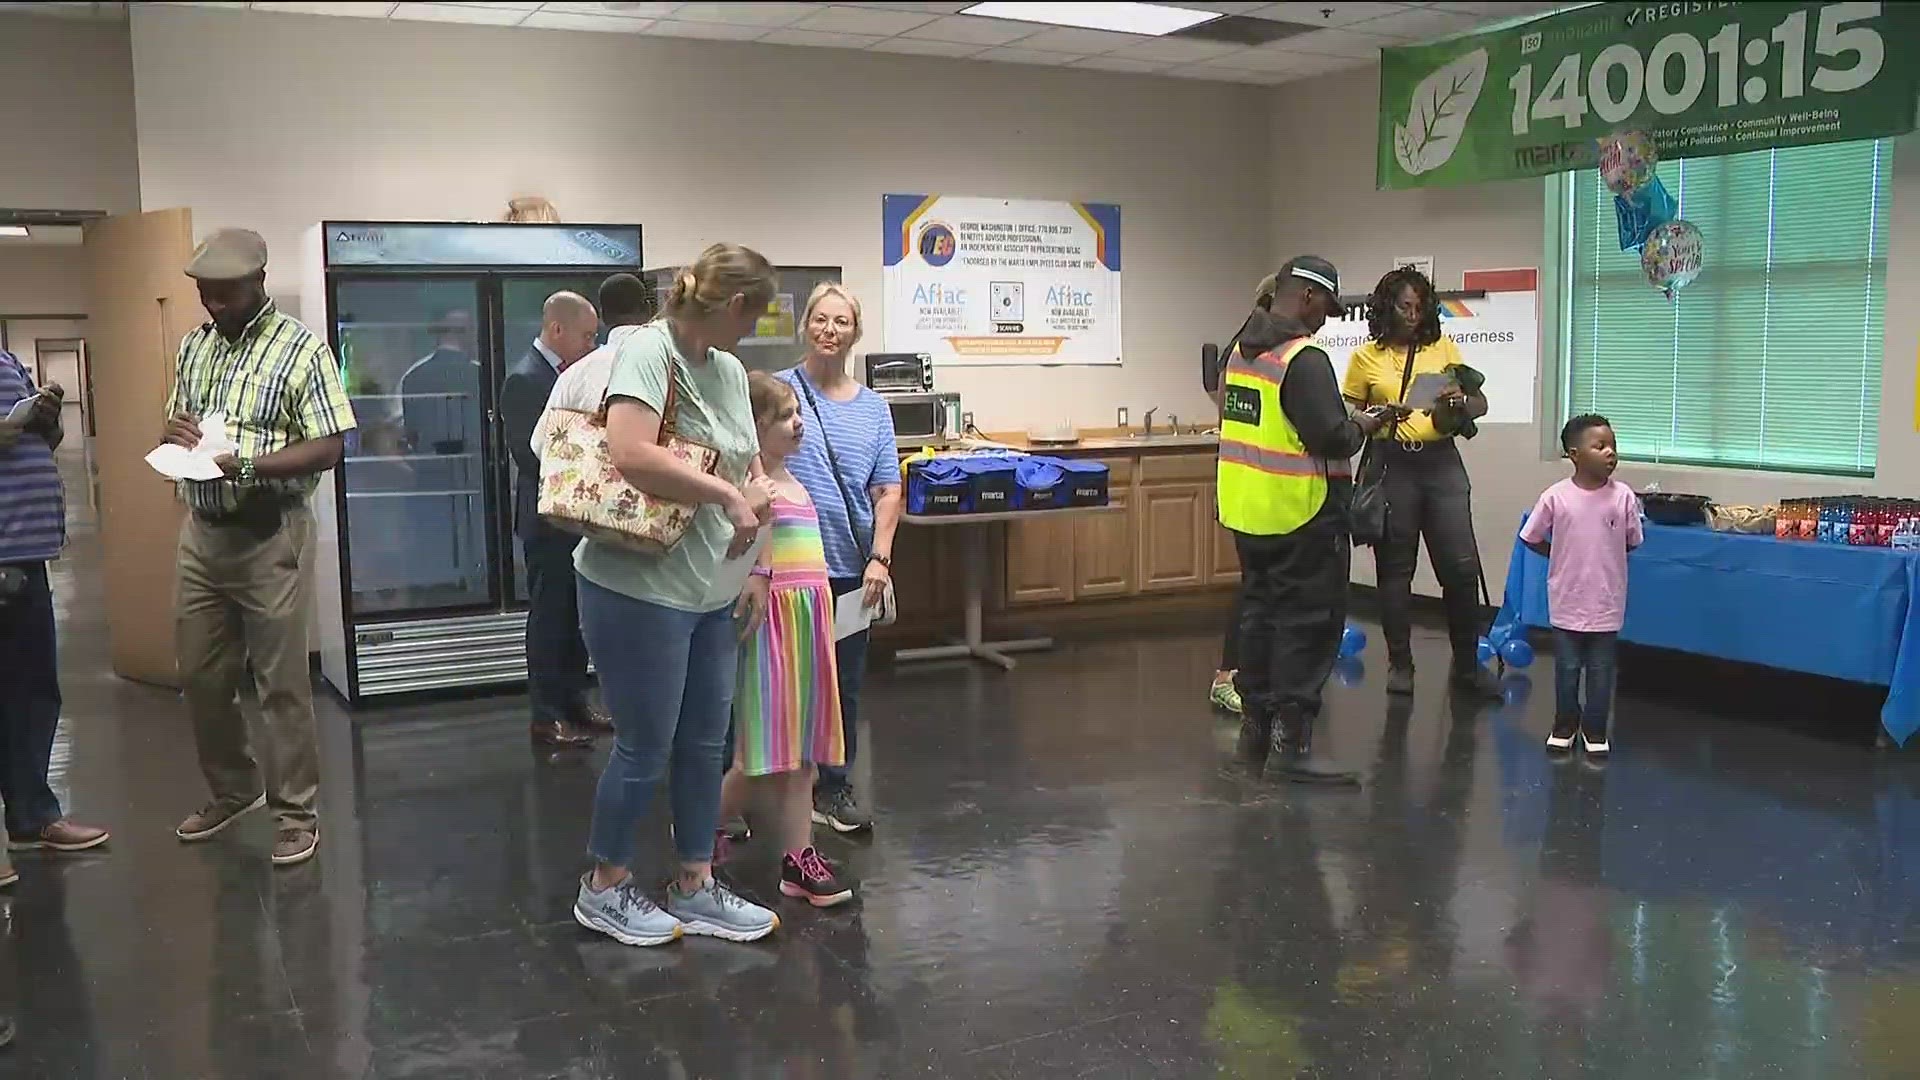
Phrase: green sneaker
{"type": "Point", "coordinates": [1224, 696]}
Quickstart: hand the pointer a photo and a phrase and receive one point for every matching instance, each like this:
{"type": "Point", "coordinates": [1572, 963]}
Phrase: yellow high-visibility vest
{"type": "Point", "coordinates": [1267, 483]}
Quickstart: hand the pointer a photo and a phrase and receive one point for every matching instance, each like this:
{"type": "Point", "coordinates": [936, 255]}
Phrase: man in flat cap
{"type": "Point", "coordinates": [246, 548]}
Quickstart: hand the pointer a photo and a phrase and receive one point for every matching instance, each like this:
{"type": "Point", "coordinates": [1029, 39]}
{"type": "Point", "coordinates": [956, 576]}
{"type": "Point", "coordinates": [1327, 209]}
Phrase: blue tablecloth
{"type": "Point", "coordinates": [1825, 609]}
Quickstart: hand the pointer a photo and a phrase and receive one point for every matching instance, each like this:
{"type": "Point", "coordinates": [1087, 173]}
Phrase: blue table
{"type": "Point", "coordinates": [1825, 609]}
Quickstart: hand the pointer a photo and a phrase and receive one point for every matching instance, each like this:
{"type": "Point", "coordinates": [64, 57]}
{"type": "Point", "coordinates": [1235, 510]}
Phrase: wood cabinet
{"type": "Point", "coordinates": [1040, 561]}
{"type": "Point", "coordinates": [1173, 550]}
{"type": "Point", "coordinates": [1103, 555]}
{"type": "Point", "coordinates": [1225, 563]}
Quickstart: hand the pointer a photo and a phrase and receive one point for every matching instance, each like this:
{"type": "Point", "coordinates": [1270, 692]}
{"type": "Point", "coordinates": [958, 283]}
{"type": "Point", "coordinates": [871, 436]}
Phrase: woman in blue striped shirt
{"type": "Point", "coordinates": [852, 473]}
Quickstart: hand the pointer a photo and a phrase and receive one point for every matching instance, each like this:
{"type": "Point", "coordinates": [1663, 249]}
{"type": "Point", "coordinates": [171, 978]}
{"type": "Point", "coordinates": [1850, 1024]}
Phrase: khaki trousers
{"type": "Point", "coordinates": [241, 618]}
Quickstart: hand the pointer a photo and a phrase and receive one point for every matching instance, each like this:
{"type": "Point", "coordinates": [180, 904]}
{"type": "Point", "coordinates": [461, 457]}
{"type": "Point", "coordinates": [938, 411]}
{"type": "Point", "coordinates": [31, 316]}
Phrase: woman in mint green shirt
{"type": "Point", "coordinates": [661, 628]}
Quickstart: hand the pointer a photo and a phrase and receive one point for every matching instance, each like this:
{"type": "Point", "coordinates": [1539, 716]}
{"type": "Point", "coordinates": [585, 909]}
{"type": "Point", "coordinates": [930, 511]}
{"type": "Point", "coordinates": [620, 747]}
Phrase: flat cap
{"type": "Point", "coordinates": [228, 255]}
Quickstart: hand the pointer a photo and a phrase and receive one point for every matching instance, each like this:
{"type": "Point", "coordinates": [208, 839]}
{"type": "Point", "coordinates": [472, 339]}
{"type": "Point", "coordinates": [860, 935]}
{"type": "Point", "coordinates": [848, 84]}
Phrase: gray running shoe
{"type": "Point", "coordinates": [715, 911]}
{"type": "Point", "coordinates": [623, 913]}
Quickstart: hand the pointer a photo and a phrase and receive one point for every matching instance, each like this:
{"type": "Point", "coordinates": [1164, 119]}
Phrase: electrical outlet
{"type": "Point", "coordinates": [1121, 419]}
{"type": "Point", "coordinates": [966, 421]}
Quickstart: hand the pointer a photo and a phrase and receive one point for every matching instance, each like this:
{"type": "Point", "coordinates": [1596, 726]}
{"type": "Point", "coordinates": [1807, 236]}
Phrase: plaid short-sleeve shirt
{"type": "Point", "coordinates": [277, 385]}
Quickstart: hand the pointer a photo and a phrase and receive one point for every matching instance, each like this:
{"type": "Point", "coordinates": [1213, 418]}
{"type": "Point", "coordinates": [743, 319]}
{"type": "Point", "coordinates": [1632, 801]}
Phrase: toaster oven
{"type": "Point", "coordinates": [900, 373]}
{"type": "Point", "coordinates": [919, 419]}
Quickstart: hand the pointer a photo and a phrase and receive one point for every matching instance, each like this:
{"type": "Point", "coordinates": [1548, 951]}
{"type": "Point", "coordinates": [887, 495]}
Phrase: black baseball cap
{"type": "Point", "coordinates": [1315, 271]}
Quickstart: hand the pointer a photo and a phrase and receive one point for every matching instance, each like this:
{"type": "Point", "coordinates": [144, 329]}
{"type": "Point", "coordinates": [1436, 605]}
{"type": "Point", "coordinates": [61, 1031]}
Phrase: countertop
{"type": "Point", "coordinates": [1098, 443]}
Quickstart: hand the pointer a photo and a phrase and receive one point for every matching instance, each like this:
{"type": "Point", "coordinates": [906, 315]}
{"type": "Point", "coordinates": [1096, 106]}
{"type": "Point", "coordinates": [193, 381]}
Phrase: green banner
{"type": "Point", "coordinates": [1700, 78]}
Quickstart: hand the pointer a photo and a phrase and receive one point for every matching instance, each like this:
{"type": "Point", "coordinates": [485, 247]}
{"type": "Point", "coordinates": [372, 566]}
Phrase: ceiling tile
{"type": "Point", "coordinates": [874, 21]}
{"type": "Point", "coordinates": [1176, 50]}
{"type": "Point", "coordinates": [708, 31]}
{"type": "Point", "coordinates": [1076, 40]}
{"type": "Point", "coordinates": [931, 9]}
{"type": "Point", "coordinates": [1118, 63]}
{"type": "Point", "coordinates": [626, 11]}
{"type": "Point", "coordinates": [1019, 54]}
{"type": "Point", "coordinates": [819, 39]}
{"type": "Point", "coordinates": [1504, 11]}
{"type": "Point", "coordinates": [747, 14]}
{"type": "Point", "coordinates": [1420, 24]}
{"type": "Point", "coordinates": [1222, 9]}
{"type": "Point", "coordinates": [185, 3]}
{"type": "Point", "coordinates": [1346, 43]}
{"type": "Point", "coordinates": [570, 20]}
{"type": "Point", "coordinates": [459, 13]}
{"type": "Point", "coordinates": [1327, 12]}
{"type": "Point", "coordinates": [915, 47]}
{"type": "Point", "coordinates": [1267, 59]}
{"type": "Point", "coordinates": [974, 30]}
{"type": "Point", "coordinates": [365, 11]}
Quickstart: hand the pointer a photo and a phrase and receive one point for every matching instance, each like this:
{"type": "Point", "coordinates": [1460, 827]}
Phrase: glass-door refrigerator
{"type": "Point", "coordinates": [778, 340]}
{"type": "Point", "coordinates": [419, 580]}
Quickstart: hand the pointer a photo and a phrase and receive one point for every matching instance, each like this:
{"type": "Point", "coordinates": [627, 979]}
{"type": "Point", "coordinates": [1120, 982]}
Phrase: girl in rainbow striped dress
{"type": "Point", "coordinates": [787, 706]}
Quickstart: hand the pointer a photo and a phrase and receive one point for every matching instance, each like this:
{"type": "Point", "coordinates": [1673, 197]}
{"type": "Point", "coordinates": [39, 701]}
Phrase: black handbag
{"type": "Point", "coordinates": [1367, 514]}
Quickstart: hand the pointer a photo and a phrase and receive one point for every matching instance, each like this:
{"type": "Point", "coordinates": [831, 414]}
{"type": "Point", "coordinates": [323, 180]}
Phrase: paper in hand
{"type": "Point", "coordinates": [22, 410]}
{"type": "Point", "coordinates": [851, 614]}
{"type": "Point", "coordinates": [179, 463]}
{"type": "Point", "coordinates": [1424, 393]}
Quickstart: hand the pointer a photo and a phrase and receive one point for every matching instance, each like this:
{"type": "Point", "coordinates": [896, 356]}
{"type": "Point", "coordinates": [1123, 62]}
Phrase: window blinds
{"type": "Point", "coordinates": [1771, 358]}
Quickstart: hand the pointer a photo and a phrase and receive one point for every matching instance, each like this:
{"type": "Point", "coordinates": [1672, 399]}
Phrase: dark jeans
{"type": "Point", "coordinates": [1577, 653]}
{"type": "Point", "coordinates": [1293, 608]}
{"type": "Point", "coordinates": [29, 705]}
{"type": "Point", "coordinates": [556, 654]}
{"type": "Point", "coordinates": [850, 656]}
{"type": "Point", "coordinates": [1428, 495]}
{"type": "Point", "coordinates": [668, 679]}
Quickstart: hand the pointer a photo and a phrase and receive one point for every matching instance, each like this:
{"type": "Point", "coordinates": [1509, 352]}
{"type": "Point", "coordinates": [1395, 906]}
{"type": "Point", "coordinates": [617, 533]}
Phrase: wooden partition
{"type": "Point", "coordinates": [143, 304]}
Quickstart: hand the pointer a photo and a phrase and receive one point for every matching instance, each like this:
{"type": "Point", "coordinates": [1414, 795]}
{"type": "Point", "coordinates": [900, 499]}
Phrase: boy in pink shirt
{"type": "Point", "coordinates": [1585, 525]}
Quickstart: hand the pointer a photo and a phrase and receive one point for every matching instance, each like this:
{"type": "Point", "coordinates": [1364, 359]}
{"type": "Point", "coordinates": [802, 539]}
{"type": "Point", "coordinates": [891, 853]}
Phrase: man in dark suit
{"type": "Point", "coordinates": [556, 656]}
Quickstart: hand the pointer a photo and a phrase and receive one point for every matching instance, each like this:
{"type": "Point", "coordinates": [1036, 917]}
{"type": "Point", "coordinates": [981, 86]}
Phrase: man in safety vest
{"type": "Point", "coordinates": [1286, 440]}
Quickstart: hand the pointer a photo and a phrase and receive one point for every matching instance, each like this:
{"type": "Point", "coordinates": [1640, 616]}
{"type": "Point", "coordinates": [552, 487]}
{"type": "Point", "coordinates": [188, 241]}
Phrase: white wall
{"type": "Point", "coordinates": [1329, 207]}
{"type": "Point", "coordinates": [66, 115]}
{"type": "Point", "coordinates": [785, 149]}
{"type": "Point", "coordinates": [42, 280]}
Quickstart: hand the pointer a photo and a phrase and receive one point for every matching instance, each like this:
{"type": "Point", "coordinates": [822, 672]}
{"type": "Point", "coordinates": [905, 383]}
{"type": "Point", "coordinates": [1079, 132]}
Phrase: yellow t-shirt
{"type": "Point", "coordinates": [1374, 376]}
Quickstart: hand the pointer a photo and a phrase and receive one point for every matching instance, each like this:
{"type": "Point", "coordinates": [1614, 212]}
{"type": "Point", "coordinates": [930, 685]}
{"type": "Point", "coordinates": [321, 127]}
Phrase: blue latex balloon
{"type": "Point", "coordinates": [1517, 653]}
{"type": "Point", "coordinates": [1350, 671]}
{"type": "Point", "coordinates": [1500, 635]}
{"type": "Point", "coordinates": [1486, 651]}
{"type": "Point", "coordinates": [1353, 641]}
{"type": "Point", "coordinates": [1640, 212]}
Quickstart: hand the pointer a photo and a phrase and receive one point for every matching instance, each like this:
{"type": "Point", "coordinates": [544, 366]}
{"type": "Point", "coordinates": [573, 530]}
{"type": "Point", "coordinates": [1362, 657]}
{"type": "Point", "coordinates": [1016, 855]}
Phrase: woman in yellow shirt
{"type": "Point", "coordinates": [1428, 493]}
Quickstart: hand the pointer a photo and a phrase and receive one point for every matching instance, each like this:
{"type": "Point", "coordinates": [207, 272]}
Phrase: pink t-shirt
{"type": "Point", "coordinates": [1591, 533]}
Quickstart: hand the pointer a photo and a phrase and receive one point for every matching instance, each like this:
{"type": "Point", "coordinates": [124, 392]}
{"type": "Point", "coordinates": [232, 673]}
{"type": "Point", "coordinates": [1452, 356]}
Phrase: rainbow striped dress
{"type": "Point", "coordinates": [787, 708]}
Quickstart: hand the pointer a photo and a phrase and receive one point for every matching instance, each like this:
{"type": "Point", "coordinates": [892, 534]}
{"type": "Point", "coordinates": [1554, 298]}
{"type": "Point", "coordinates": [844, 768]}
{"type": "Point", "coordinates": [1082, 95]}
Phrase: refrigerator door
{"type": "Point", "coordinates": [521, 301]}
{"type": "Point", "coordinates": [415, 476]}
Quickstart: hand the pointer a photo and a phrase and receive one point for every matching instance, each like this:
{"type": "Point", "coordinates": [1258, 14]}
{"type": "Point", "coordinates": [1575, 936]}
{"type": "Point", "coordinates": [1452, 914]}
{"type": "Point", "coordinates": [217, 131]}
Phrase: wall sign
{"type": "Point", "coordinates": [978, 281]}
{"type": "Point", "coordinates": [1701, 78]}
{"type": "Point", "coordinates": [1498, 334]}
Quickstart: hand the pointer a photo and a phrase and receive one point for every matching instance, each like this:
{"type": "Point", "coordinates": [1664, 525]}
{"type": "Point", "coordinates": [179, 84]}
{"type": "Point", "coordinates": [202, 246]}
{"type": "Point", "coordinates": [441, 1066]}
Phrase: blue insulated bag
{"type": "Point", "coordinates": [1087, 480]}
{"type": "Point", "coordinates": [1042, 484]}
{"type": "Point", "coordinates": [938, 486]}
{"type": "Point", "coordinates": [991, 480]}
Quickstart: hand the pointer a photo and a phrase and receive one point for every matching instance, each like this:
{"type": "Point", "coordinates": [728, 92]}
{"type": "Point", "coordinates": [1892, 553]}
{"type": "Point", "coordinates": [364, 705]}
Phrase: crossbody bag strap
{"type": "Point", "coordinates": [1406, 380]}
{"type": "Point", "coordinates": [833, 463]}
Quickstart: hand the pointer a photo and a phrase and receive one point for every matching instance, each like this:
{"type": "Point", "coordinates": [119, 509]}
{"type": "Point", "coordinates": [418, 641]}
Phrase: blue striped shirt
{"type": "Point", "coordinates": [33, 510]}
{"type": "Point", "coordinates": [862, 434]}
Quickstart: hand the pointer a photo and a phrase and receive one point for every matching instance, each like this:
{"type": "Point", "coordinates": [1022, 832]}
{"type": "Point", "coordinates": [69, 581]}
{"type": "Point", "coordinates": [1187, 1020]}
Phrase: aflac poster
{"type": "Point", "coordinates": [977, 281]}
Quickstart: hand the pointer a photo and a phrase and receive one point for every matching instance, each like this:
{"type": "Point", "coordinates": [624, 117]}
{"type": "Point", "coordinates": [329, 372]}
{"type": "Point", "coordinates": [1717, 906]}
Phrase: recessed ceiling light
{"type": "Point", "coordinates": [1153, 20]}
{"type": "Point", "coordinates": [13, 230]}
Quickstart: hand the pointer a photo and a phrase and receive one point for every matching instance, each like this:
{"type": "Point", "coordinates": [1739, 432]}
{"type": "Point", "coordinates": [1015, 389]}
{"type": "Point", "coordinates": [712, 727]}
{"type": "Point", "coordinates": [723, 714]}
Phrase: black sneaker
{"type": "Point", "coordinates": [810, 877]}
{"type": "Point", "coordinates": [1562, 735]}
{"type": "Point", "coordinates": [1400, 679]}
{"type": "Point", "coordinates": [1594, 746]}
{"type": "Point", "coordinates": [1478, 682]}
{"type": "Point", "coordinates": [837, 809]}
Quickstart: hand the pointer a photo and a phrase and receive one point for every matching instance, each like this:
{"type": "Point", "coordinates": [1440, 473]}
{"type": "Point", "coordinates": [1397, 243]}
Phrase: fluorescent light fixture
{"type": "Point", "coordinates": [13, 230]}
{"type": "Point", "coordinates": [1152, 20]}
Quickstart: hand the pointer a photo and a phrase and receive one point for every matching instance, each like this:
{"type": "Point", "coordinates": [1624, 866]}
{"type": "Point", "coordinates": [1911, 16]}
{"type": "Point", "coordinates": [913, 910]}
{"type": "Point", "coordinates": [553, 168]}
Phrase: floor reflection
{"type": "Point", "coordinates": [1070, 879]}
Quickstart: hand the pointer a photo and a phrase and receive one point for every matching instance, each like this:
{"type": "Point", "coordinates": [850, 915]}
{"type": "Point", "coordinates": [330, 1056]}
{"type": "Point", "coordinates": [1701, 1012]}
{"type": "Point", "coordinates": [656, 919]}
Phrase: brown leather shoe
{"type": "Point", "coordinates": [206, 822]}
{"type": "Point", "coordinates": [559, 733]}
{"type": "Point", "coordinates": [597, 721]}
{"type": "Point", "coordinates": [62, 835]}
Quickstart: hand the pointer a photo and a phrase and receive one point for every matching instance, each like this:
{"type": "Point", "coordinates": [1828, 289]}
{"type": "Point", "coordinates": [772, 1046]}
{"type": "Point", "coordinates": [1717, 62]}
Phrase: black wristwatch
{"type": "Point", "coordinates": [875, 556]}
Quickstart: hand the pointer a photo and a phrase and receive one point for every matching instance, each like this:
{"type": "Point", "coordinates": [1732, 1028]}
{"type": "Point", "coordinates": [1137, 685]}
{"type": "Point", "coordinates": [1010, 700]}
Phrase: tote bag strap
{"type": "Point", "coordinates": [669, 408]}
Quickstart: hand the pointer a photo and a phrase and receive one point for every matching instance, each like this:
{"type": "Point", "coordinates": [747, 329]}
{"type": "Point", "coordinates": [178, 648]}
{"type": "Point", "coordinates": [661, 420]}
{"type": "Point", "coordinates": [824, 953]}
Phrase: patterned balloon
{"type": "Point", "coordinates": [1672, 256]}
{"type": "Point", "coordinates": [1627, 159]}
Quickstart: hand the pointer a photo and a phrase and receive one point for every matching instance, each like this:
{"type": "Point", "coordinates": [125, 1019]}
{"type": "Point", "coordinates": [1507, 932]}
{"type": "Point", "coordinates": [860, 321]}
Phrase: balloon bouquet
{"type": "Point", "coordinates": [1670, 248]}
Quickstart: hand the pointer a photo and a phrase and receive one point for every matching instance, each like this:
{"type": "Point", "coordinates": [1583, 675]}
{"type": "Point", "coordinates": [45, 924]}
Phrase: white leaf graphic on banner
{"type": "Point", "coordinates": [1438, 114]}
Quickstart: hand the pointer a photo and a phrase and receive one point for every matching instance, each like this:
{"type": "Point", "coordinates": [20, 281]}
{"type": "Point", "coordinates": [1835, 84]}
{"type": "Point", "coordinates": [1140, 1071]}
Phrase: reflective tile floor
{"type": "Point", "coordinates": [1069, 880]}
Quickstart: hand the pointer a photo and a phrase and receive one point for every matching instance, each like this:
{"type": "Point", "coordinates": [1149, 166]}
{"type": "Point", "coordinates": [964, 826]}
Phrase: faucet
{"type": "Point", "coordinates": [1148, 433]}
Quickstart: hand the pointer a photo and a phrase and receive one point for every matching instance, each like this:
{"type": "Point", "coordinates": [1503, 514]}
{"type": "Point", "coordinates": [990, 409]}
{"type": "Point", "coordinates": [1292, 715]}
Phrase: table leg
{"type": "Point", "coordinates": [973, 644]}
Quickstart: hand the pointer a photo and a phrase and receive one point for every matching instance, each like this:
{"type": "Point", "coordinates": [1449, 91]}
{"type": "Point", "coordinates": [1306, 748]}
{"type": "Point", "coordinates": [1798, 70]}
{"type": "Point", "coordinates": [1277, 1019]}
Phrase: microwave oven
{"type": "Point", "coordinates": [900, 373]}
{"type": "Point", "coordinates": [919, 419]}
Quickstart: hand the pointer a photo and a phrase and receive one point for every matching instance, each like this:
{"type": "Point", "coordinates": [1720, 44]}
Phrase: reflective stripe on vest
{"type": "Point", "coordinates": [1268, 484]}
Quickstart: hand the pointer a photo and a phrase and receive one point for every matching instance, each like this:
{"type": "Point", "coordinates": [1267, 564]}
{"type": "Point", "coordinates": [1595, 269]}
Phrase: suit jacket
{"type": "Point", "coordinates": [522, 398]}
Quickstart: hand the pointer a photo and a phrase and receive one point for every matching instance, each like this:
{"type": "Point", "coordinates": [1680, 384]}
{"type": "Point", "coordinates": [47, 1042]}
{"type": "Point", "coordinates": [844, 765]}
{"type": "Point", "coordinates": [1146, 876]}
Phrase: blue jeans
{"type": "Point", "coordinates": [850, 658]}
{"type": "Point", "coordinates": [667, 676]}
{"type": "Point", "coordinates": [1577, 653]}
